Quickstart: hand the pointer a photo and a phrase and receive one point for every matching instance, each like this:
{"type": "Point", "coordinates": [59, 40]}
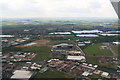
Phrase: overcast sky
{"type": "Point", "coordinates": [57, 8]}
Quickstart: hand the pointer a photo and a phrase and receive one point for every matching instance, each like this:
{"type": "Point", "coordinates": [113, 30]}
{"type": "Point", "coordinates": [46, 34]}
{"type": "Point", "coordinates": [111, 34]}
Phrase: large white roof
{"type": "Point", "coordinates": [109, 34]}
{"type": "Point", "coordinates": [6, 35]}
{"type": "Point", "coordinates": [87, 31]}
{"type": "Point", "coordinates": [117, 43]}
{"type": "Point", "coordinates": [87, 35]}
{"type": "Point", "coordinates": [22, 74]}
{"type": "Point", "coordinates": [75, 57]}
{"type": "Point", "coordinates": [61, 33]}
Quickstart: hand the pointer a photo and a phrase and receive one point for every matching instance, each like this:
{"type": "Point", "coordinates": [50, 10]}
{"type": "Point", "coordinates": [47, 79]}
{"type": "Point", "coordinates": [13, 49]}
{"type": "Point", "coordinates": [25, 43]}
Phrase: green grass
{"type": "Point", "coordinates": [91, 60]}
{"type": "Point", "coordinates": [55, 42]}
{"type": "Point", "coordinates": [115, 48]}
{"type": "Point", "coordinates": [94, 49]}
{"type": "Point", "coordinates": [52, 74]}
{"type": "Point", "coordinates": [95, 76]}
{"type": "Point", "coordinates": [42, 57]}
{"type": "Point", "coordinates": [43, 49]}
{"type": "Point", "coordinates": [46, 56]}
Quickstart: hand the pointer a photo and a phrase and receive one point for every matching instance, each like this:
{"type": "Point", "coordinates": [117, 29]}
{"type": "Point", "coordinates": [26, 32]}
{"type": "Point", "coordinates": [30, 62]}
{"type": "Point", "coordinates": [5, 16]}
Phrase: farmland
{"type": "Point", "coordinates": [94, 50]}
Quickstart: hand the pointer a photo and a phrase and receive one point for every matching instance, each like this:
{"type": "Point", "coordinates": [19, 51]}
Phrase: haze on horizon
{"type": "Point", "coordinates": [57, 8]}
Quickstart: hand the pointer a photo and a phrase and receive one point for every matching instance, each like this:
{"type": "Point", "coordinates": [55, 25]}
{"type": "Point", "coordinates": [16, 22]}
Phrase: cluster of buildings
{"type": "Point", "coordinates": [69, 51]}
{"type": "Point", "coordinates": [15, 61]}
{"type": "Point", "coordinates": [12, 42]}
{"type": "Point", "coordinates": [18, 65]}
{"type": "Point", "coordinates": [77, 69]}
{"type": "Point", "coordinates": [18, 57]}
{"type": "Point", "coordinates": [75, 61]}
{"type": "Point", "coordinates": [88, 33]}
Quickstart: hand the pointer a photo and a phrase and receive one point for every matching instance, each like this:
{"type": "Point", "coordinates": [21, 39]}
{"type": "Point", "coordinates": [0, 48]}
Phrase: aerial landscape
{"type": "Point", "coordinates": [60, 47]}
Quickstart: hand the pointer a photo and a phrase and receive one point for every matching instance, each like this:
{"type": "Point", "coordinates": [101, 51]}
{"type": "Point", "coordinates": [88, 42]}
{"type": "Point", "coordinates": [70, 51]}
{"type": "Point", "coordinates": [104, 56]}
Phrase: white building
{"type": "Point", "coordinates": [87, 31]}
{"type": "Point", "coordinates": [85, 73]}
{"type": "Point", "coordinates": [76, 58]}
{"type": "Point", "coordinates": [116, 43]}
{"type": "Point", "coordinates": [105, 34]}
{"type": "Point", "coordinates": [87, 35]}
{"type": "Point", "coordinates": [22, 74]}
{"type": "Point", "coordinates": [62, 33]}
{"type": "Point", "coordinates": [105, 74]}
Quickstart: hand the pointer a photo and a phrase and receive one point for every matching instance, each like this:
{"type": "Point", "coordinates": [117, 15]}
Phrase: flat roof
{"type": "Point", "coordinates": [75, 57]}
{"type": "Point", "coordinates": [60, 33]}
{"type": "Point", "coordinates": [87, 35]}
{"type": "Point", "coordinates": [87, 31]}
{"type": "Point", "coordinates": [85, 73]}
{"type": "Point", "coordinates": [21, 74]}
{"type": "Point", "coordinates": [118, 43]}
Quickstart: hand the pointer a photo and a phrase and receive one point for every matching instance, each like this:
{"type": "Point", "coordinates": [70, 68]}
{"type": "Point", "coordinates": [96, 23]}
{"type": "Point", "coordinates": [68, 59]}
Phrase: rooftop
{"type": "Point", "coordinates": [21, 74]}
{"type": "Point", "coordinates": [76, 57]}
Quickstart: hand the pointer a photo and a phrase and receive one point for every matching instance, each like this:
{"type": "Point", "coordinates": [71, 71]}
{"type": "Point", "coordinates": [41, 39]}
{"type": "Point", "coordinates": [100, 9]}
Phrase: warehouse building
{"type": "Point", "coordinates": [63, 46]}
{"type": "Point", "coordinates": [76, 58]}
{"type": "Point", "coordinates": [22, 74]}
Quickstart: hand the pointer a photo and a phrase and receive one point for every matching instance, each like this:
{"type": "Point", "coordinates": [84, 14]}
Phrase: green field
{"type": "Point", "coordinates": [115, 48]}
{"type": "Point", "coordinates": [52, 74]}
{"type": "Point", "coordinates": [91, 60]}
{"type": "Point", "coordinates": [55, 42]}
{"type": "Point", "coordinates": [43, 49]}
{"type": "Point", "coordinates": [46, 56]}
{"type": "Point", "coordinates": [42, 56]}
{"type": "Point", "coordinates": [95, 50]}
{"type": "Point", "coordinates": [95, 76]}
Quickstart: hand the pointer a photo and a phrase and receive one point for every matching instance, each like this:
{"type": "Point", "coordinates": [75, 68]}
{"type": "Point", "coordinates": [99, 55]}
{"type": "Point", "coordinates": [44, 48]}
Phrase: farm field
{"type": "Point", "coordinates": [95, 50]}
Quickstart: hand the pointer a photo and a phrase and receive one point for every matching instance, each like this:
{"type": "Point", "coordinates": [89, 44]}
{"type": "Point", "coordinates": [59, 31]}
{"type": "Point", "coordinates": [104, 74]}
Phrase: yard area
{"type": "Point", "coordinates": [52, 74]}
{"type": "Point", "coordinates": [95, 50]}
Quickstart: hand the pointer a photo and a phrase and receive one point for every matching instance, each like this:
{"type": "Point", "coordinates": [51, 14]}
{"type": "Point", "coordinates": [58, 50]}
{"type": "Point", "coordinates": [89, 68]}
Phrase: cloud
{"type": "Point", "coordinates": [57, 8]}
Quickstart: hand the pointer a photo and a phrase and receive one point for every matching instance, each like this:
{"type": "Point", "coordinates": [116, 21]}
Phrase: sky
{"type": "Point", "coordinates": [56, 8]}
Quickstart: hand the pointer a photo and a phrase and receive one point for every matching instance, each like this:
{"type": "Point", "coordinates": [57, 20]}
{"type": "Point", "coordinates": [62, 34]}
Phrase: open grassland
{"type": "Point", "coordinates": [55, 42]}
{"type": "Point", "coordinates": [95, 76]}
{"type": "Point", "coordinates": [92, 60]}
{"type": "Point", "coordinates": [115, 48]}
{"type": "Point", "coordinates": [52, 74]}
{"type": "Point", "coordinates": [46, 56]}
{"type": "Point", "coordinates": [95, 50]}
{"type": "Point", "coordinates": [43, 49]}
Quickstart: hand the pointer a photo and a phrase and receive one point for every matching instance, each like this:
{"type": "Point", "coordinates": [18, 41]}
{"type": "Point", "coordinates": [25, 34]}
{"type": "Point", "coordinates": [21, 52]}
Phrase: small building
{"type": "Point", "coordinates": [85, 73]}
{"type": "Point", "coordinates": [82, 44]}
{"type": "Point", "coordinates": [87, 42]}
{"type": "Point", "coordinates": [44, 69]}
{"type": "Point", "coordinates": [103, 47]}
{"type": "Point", "coordinates": [105, 74]}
